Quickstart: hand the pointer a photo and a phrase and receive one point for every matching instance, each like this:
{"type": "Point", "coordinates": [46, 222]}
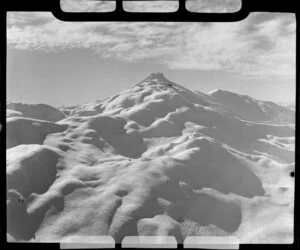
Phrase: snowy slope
{"type": "Point", "coordinates": [155, 159]}
{"type": "Point", "coordinates": [289, 105]}
{"type": "Point", "coordinates": [254, 110]}
{"type": "Point", "coordinates": [35, 111]}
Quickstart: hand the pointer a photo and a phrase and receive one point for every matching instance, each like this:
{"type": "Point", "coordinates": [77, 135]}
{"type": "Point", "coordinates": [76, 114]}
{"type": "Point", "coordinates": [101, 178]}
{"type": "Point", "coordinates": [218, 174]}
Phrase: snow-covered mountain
{"type": "Point", "coordinates": [155, 159]}
{"type": "Point", "coordinates": [35, 111]}
{"type": "Point", "coordinates": [289, 105]}
{"type": "Point", "coordinates": [254, 110]}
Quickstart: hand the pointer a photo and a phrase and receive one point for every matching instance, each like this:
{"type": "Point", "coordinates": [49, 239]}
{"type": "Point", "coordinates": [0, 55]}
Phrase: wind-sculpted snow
{"type": "Point", "coordinates": [29, 131]}
{"type": "Point", "coordinates": [156, 159]}
{"type": "Point", "coordinates": [24, 172]}
{"type": "Point", "coordinates": [31, 170]}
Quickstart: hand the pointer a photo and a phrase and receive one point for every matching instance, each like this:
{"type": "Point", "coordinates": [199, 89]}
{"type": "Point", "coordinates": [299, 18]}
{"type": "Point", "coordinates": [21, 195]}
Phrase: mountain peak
{"type": "Point", "coordinates": [159, 77]}
{"type": "Point", "coordinates": [156, 78]}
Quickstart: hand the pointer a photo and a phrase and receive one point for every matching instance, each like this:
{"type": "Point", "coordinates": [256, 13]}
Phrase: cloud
{"type": "Point", "coordinates": [245, 53]}
{"type": "Point", "coordinates": [249, 48]}
{"type": "Point", "coordinates": [151, 6]}
{"type": "Point", "coordinates": [28, 18]}
{"type": "Point", "coordinates": [87, 5]}
{"type": "Point", "coordinates": [218, 6]}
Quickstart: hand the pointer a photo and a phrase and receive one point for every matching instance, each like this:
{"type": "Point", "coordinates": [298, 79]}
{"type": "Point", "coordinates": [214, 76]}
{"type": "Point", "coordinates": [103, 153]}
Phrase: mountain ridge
{"type": "Point", "coordinates": [154, 159]}
{"type": "Point", "coordinates": [253, 109]}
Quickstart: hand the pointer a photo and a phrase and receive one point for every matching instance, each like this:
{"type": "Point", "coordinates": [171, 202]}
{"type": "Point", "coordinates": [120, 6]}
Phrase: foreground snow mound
{"type": "Point", "coordinates": [35, 111]}
{"type": "Point", "coordinates": [31, 169]}
{"type": "Point", "coordinates": [156, 159]}
{"type": "Point", "coordinates": [28, 163]}
{"type": "Point", "coordinates": [254, 110]}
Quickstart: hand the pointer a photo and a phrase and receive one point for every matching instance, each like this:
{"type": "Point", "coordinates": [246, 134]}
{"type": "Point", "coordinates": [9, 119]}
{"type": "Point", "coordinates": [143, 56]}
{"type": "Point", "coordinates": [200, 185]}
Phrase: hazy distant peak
{"type": "Point", "coordinates": [289, 105]}
{"type": "Point", "coordinates": [252, 109]}
{"type": "Point", "coordinates": [226, 92]}
{"type": "Point", "coordinates": [36, 111]}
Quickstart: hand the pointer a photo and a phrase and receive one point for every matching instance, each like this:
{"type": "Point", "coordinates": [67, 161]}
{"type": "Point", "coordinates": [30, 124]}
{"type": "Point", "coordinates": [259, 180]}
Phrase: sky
{"type": "Point", "coordinates": [68, 63]}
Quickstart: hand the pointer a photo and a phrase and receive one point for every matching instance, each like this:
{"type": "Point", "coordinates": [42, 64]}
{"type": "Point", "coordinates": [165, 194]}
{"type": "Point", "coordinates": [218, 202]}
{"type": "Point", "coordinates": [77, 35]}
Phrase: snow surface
{"type": "Point", "coordinates": [35, 111]}
{"type": "Point", "coordinates": [254, 110]}
{"type": "Point", "coordinates": [155, 159]}
{"type": "Point", "coordinates": [290, 105]}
